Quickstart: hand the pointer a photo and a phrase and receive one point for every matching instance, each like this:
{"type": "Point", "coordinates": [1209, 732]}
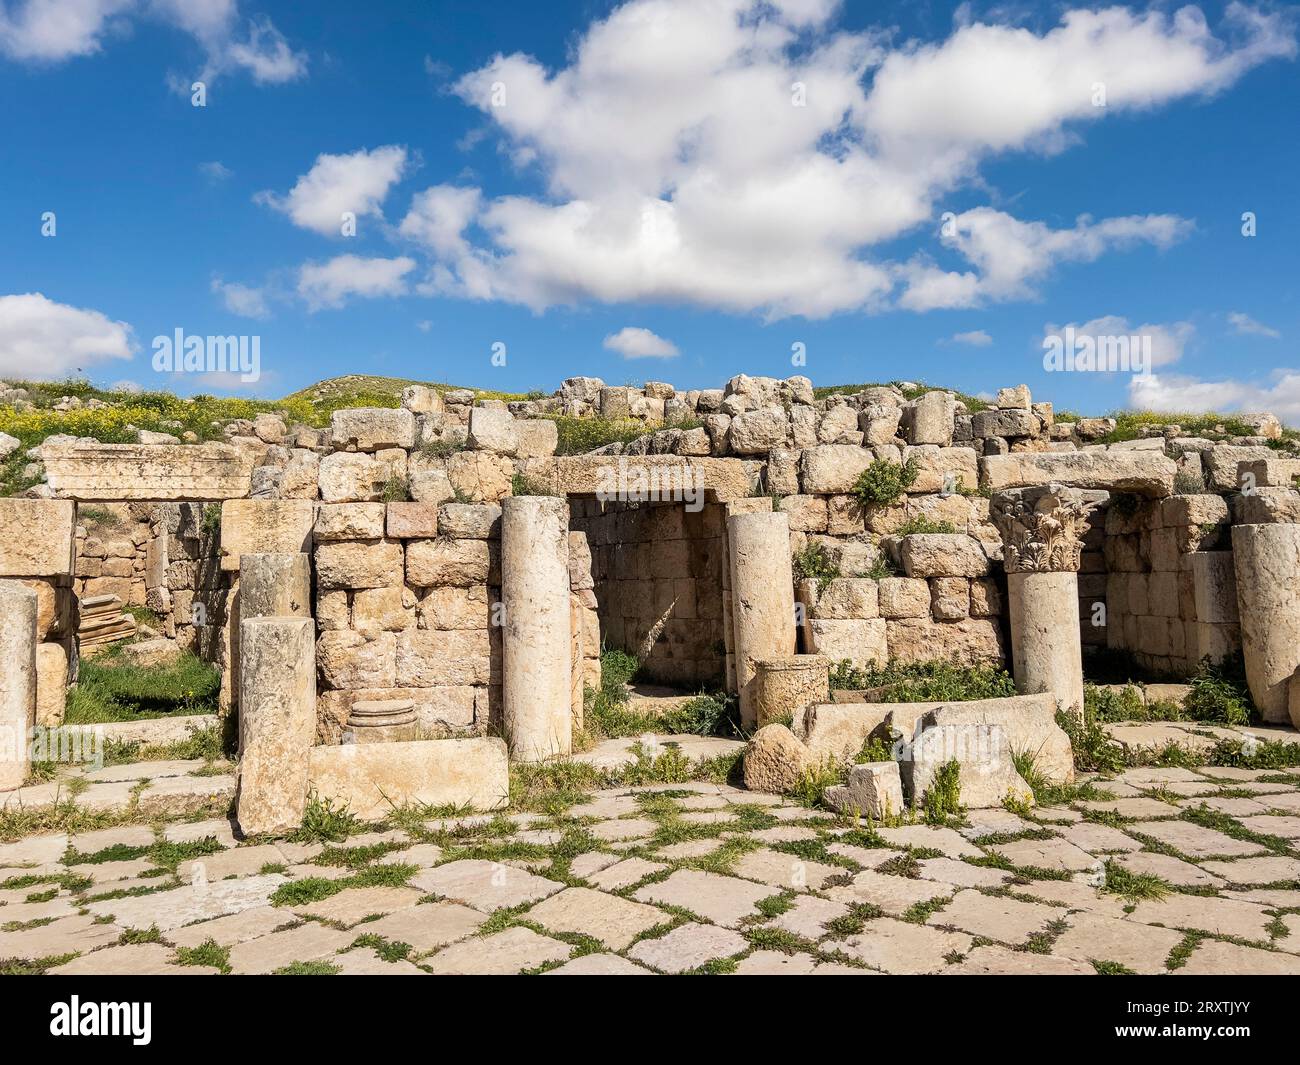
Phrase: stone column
{"type": "Point", "coordinates": [1042, 536]}
{"type": "Point", "coordinates": [274, 586]}
{"type": "Point", "coordinates": [1267, 563]}
{"type": "Point", "coordinates": [762, 598]}
{"type": "Point", "coordinates": [784, 687]}
{"type": "Point", "coordinates": [17, 681]}
{"type": "Point", "coordinates": [277, 721]}
{"type": "Point", "coordinates": [537, 671]}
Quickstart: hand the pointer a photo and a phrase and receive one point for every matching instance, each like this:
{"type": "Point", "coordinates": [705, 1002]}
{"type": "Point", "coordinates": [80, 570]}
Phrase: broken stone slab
{"type": "Point", "coordinates": [373, 779]}
{"type": "Point", "coordinates": [987, 773]}
{"type": "Point", "coordinates": [775, 760]}
{"type": "Point", "coordinates": [1145, 473]}
{"type": "Point", "coordinates": [258, 526]}
{"type": "Point", "coordinates": [1028, 723]}
{"type": "Point", "coordinates": [874, 790]}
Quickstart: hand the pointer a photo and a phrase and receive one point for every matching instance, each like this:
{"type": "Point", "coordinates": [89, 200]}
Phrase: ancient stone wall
{"type": "Point", "coordinates": [657, 571]}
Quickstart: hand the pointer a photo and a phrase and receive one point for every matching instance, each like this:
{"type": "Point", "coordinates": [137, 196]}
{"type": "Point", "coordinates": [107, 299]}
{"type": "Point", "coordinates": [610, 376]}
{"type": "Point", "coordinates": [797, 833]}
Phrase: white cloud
{"type": "Point", "coordinates": [438, 217]}
{"type": "Point", "coordinates": [1244, 323]}
{"type": "Point", "coordinates": [633, 342]}
{"type": "Point", "coordinates": [1010, 256]}
{"type": "Point", "coordinates": [1167, 340]}
{"type": "Point", "coordinates": [215, 171]}
{"type": "Point", "coordinates": [357, 182]}
{"type": "Point", "coordinates": [1176, 394]}
{"type": "Point", "coordinates": [330, 283]}
{"type": "Point", "coordinates": [57, 30]}
{"type": "Point", "coordinates": [53, 30]}
{"type": "Point", "coordinates": [243, 300]}
{"type": "Point", "coordinates": [43, 339]}
{"type": "Point", "coordinates": [976, 338]}
{"type": "Point", "coordinates": [674, 164]}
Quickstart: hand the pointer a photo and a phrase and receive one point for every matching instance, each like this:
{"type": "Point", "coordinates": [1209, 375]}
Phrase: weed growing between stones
{"type": "Point", "coordinates": [884, 481]}
{"type": "Point", "coordinates": [923, 682]}
{"type": "Point", "coordinates": [208, 953]}
{"type": "Point", "coordinates": [1133, 886]}
{"type": "Point", "coordinates": [943, 797]}
{"type": "Point", "coordinates": [323, 822]}
{"type": "Point", "coordinates": [814, 563]}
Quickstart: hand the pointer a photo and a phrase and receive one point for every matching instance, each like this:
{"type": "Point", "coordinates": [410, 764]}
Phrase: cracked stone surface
{"type": "Point", "coordinates": [672, 879]}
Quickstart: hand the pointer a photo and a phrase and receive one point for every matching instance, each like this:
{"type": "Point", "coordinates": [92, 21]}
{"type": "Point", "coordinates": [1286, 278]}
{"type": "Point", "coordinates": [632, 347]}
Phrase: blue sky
{"type": "Point", "coordinates": [583, 182]}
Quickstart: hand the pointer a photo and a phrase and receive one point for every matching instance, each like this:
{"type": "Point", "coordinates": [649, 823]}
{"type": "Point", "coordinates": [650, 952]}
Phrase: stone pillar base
{"type": "Point", "coordinates": [1046, 649]}
{"type": "Point", "coordinates": [783, 687]}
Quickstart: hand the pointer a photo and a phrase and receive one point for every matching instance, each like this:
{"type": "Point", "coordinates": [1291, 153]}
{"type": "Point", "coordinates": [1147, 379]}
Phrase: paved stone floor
{"type": "Point", "coordinates": [1156, 870]}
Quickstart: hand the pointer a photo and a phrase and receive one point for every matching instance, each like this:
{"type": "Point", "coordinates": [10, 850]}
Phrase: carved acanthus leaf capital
{"type": "Point", "coordinates": [1042, 528]}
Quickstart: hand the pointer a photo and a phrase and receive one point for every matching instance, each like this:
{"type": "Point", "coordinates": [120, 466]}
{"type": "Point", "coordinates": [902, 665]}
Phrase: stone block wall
{"type": "Point", "coordinates": [1153, 552]}
{"type": "Point", "coordinates": [406, 598]}
{"type": "Point", "coordinates": [658, 568]}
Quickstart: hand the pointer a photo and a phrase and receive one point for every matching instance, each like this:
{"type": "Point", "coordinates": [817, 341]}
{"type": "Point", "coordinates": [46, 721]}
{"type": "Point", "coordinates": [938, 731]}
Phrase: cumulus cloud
{"type": "Point", "coordinates": [244, 300]}
{"type": "Point", "coordinates": [1244, 323]}
{"type": "Point", "coordinates": [633, 342]}
{"type": "Point", "coordinates": [976, 338]}
{"type": "Point", "coordinates": [330, 283]}
{"type": "Point", "coordinates": [1167, 340]}
{"type": "Point", "coordinates": [748, 156]}
{"type": "Point", "coordinates": [1176, 393]}
{"type": "Point", "coordinates": [357, 182]}
{"type": "Point", "coordinates": [44, 339]}
{"type": "Point", "coordinates": [56, 30]}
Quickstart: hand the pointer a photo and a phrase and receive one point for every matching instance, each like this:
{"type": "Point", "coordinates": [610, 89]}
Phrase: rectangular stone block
{"type": "Point", "coordinates": [359, 564]}
{"type": "Point", "coordinates": [280, 526]}
{"type": "Point", "coordinates": [350, 521]}
{"type": "Point", "coordinates": [1214, 581]}
{"type": "Point", "coordinates": [904, 597]}
{"type": "Point", "coordinates": [90, 472]}
{"type": "Point", "coordinates": [455, 563]}
{"type": "Point", "coordinates": [848, 598]}
{"type": "Point", "coordinates": [37, 537]}
{"type": "Point", "coordinates": [431, 658]}
{"type": "Point", "coordinates": [412, 521]}
{"type": "Point", "coordinates": [456, 608]}
{"type": "Point", "coordinates": [370, 779]}
{"type": "Point", "coordinates": [51, 683]}
{"type": "Point", "coordinates": [372, 428]}
{"type": "Point", "coordinates": [862, 642]}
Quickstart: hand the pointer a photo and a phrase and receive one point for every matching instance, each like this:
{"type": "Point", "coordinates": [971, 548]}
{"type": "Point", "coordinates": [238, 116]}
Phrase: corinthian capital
{"type": "Point", "coordinates": [1042, 527]}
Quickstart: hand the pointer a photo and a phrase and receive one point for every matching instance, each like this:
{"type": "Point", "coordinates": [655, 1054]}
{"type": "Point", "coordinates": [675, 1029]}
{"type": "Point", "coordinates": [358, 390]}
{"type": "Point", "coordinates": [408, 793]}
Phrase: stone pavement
{"type": "Point", "coordinates": [1156, 870]}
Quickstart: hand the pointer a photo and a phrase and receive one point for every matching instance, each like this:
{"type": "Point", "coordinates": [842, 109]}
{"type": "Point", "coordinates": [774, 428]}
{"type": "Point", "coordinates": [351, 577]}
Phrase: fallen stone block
{"type": "Point", "coordinates": [874, 790]}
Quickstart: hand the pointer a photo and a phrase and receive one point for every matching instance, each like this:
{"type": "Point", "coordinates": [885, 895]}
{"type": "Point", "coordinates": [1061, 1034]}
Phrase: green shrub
{"type": "Point", "coordinates": [884, 481]}
{"type": "Point", "coordinates": [1219, 694]}
{"type": "Point", "coordinates": [522, 485]}
{"type": "Point", "coordinates": [923, 682]}
{"type": "Point", "coordinates": [814, 563]}
{"type": "Point", "coordinates": [1107, 704]}
{"type": "Point", "coordinates": [578, 436]}
{"type": "Point", "coordinates": [922, 524]}
{"type": "Point", "coordinates": [880, 569]}
{"type": "Point", "coordinates": [396, 490]}
{"type": "Point", "coordinates": [943, 796]}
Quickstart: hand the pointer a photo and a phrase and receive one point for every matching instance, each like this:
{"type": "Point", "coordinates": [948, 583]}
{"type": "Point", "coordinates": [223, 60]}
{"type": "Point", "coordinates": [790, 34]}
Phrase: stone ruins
{"type": "Point", "coordinates": [404, 602]}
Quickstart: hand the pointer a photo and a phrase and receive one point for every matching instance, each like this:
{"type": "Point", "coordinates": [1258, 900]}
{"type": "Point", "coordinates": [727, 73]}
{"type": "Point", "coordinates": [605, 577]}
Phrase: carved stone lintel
{"type": "Point", "coordinates": [1042, 527]}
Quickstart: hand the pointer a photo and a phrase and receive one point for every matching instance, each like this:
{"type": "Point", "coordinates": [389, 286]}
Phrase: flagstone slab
{"type": "Point", "coordinates": [513, 951]}
{"type": "Point", "coordinates": [994, 917]}
{"type": "Point", "coordinates": [107, 872]}
{"type": "Point", "coordinates": [624, 873]}
{"type": "Point", "coordinates": [893, 894]}
{"type": "Point", "coordinates": [945, 840]}
{"type": "Point", "coordinates": [484, 885]}
{"type": "Point", "coordinates": [35, 850]}
{"type": "Point", "coordinates": [992, 960]}
{"type": "Point", "coordinates": [1213, 957]}
{"type": "Point", "coordinates": [1056, 854]}
{"type": "Point", "coordinates": [867, 857]}
{"type": "Point", "coordinates": [237, 928]}
{"type": "Point", "coordinates": [364, 961]}
{"type": "Point", "coordinates": [1275, 898]}
{"type": "Point", "coordinates": [1287, 827]}
{"type": "Point", "coordinates": [626, 828]}
{"type": "Point", "coordinates": [89, 843]}
{"type": "Point", "coordinates": [961, 874]}
{"type": "Point", "coordinates": [808, 916]}
{"type": "Point", "coordinates": [905, 948]}
{"type": "Point", "coordinates": [219, 828]}
{"type": "Point", "coordinates": [783, 834]}
{"type": "Point", "coordinates": [184, 905]}
{"type": "Point", "coordinates": [605, 804]}
{"type": "Point", "coordinates": [725, 900]}
{"type": "Point", "coordinates": [688, 848]}
{"type": "Point", "coordinates": [355, 904]}
{"type": "Point", "coordinates": [143, 959]}
{"type": "Point", "coordinates": [1230, 805]}
{"type": "Point", "coordinates": [144, 770]}
{"type": "Point", "coordinates": [612, 920]}
{"type": "Point", "coordinates": [787, 871]}
{"type": "Point", "coordinates": [1195, 841]}
{"type": "Point", "coordinates": [238, 861]}
{"type": "Point", "coordinates": [1272, 870]}
{"type": "Point", "coordinates": [428, 926]}
{"type": "Point", "coordinates": [992, 822]}
{"type": "Point", "coordinates": [1093, 938]}
{"type": "Point", "coordinates": [688, 947]}
{"type": "Point", "coordinates": [424, 855]}
{"type": "Point", "coordinates": [67, 935]}
{"type": "Point", "coordinates": [1138, 807]}
{"type": "Point", "coordinates": [1167, 867]}
{"type": "Point", "coordinates": [1098, 839]}
{"type": "Point", "coordinates": [307, 942]}
{"type": "Point", "coordinates": [1224, 917]}
{"type": "Point", "coordinates": [774, 963]}
{"type": "Point", "coordinates": [22, 912]}
{"type": "Point", "coordinates": [585, 865]}
{"type": "Point", "coordinates": [600, 965]}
